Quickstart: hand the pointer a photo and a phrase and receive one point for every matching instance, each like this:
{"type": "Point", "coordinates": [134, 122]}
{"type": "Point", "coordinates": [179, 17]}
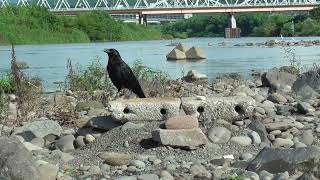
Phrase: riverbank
{"type": "Point", "coordinates": [36, 25]}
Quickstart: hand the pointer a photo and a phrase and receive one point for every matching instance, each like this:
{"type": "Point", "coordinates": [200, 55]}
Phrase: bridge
{"type": "Point", "coordinates": [148, 7]}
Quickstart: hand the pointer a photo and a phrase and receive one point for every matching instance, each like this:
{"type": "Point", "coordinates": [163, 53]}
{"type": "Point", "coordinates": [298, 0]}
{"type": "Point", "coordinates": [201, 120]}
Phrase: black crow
{"type": "Point", "coordinates": [121, 75]}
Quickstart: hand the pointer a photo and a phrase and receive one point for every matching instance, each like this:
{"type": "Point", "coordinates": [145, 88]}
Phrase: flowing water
{"type": "Point", "coordinates": [49, 61]}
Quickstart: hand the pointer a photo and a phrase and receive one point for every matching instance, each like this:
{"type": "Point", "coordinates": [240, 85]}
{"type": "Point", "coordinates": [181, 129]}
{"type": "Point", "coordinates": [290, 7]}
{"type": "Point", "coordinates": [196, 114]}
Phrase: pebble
{"type": "Point", "coordinates": [89, 138]}
{"type": "Point", "coordinates": [126, 144]}
{"type": "Point", "coordinates": [245, 156]}
{"type": "Point", "coordinates": [219, 135]}
{"type": "Point", "coordinates": [241, 140]}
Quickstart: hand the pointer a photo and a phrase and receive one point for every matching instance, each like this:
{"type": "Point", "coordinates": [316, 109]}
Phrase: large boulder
{"type": "Point", "coordinates": [195, 76]}
{"type": "Point", "coordinates": [182, 47]}
{"type": "Point", "coordinates": [307, 84]}
{"type": "Point", "coordinates": [278, 79]}
{"type": "Point", "coordinates": [145, 109]}
{"type": "Point", "coordinates": [38, 128]}
{"type": "Point", "coordinates": [176, 54]}
{"type": "Point", "coordinates": [195, 53]}
{"type": "Point", "coordinates": [228, 108]}
{"type": "Point", "coordinates": [16, 162]}
{"type": "Point", "coordinates": [277, 160]}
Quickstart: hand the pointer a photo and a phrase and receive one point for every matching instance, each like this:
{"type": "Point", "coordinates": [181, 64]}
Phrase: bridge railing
{"type": "Point", "coordinates": [80, 5]}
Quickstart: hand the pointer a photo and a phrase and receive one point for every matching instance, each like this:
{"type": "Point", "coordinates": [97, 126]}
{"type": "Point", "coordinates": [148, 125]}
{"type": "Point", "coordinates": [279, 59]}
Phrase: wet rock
{"type": "Point", "coordinates": [227, 108]}
{"type": "Point", "coordinates": [276, 160]}
{"type": "Point", "coordinates": [219, 135]}
{"type": "Point", "coordinates": [40, 128]}
{"type": "Point", "coordinates": [115, 159]}
{"type": "Point", "coordinates": [195, 53]}
{"type": "Point", "coordinates": [182, 122]}
{"type": "Point", "coordinates": [195, 76]}
{"type": "Point", "coordinates": [16, 162]}
{"type": "Point", "coordinates": [241, 140]}
{"type": "Point", "coordinates": [146, 109]}
{"type": "Point", "coordinates": [185, 138]}
{"type": "Point", "coordinates": [65, 143]}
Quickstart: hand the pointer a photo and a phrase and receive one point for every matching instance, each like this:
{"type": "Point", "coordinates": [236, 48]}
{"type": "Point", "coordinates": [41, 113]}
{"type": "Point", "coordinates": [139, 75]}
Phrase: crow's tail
{"type": "Point", "coordinates": [138, 91]}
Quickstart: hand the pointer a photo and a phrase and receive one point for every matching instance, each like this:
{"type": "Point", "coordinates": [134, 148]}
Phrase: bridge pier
{"type": "Point", "coordinates": [145, 21]}
{"type": "Point", "coordinates": [233, 31]}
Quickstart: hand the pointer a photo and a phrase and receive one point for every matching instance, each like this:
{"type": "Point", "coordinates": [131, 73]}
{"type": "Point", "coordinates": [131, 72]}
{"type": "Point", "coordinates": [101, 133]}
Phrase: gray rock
{"type": "Point", "coordinates": [65, 157]}
{"type": "Point", "coordinates": [148, 177]}
{"type": "Point", "coordinates": [241, 140]}
{"type": "Point", "coordinates": [146, 109]}
{"type": "Point", "coordinates": [195, 76]}
{"type": "Point", "coordinates": [278, 80]}
{"type": "Point", "coordinates": [38, 141]}
{"type": "Point", "coordinates": [16, 162]}
{"type": "Point", "coordinates": [276, 160]}
{"type": "Point", "coordinates": [195, 53]}
{"type": "Point", "coordinates": [281, 176]}
{"type": "Point", "coordinates": [126, 178]}
{"type": "Point", "coordinates": [280, 142]}
{"type": "Point", "coordinates": [260, 110]}
{"type": "Point", "coordinates": [308, 79]}
{"type": "Point", "coordinates": [166, 174]}
{"type": "Point", "coordinates": [250, 175]}
{"type": "Point", "coordinates": [185, 138]}
{"type": "Point", "coordinates": [305, 108]}
{"type": "Point", "coordinates": [259, 127]}
{"type": "Point", "coordinates": [246, 156]}
{"type": "Point", "coordinates": [265, 175]}
{"type": "Point", "coordinates": [38, 129]}
{"type": "Point", "coordinates": [299, 145]}
{"type": "Point", "coordinates": [79, 142]}
{"type": "Point", "coordinates": [65, 143]}
{"type": "Point", "coordinates": [227, 108]}
{"type": "Point", "coordinates": [199, 171]}
{"type": "Point", "coordinates": [138, 164]}
{"type": "Point", "coordinates": [31, 147]}
{"type": "Point", "coordinates": [103, 122]}
{"type": "Point", "coordinates": [255, 137]}
{"type": "Point", "coordinates": [130, 125]}
{"type": "Point", "coordinates": [89, 138]}
{"type": "Point", "coordinates": [87, 105]}
{"type": "Point", "coordinates": [277, 98]}
{"type": "Point", "coordinates": [307, 137]}
{"type": "Point", "coordinates": [176, 54]}
{"type": "Point", "coordinates": [95, 169]}
{"type": "Point", "coordinates": [219, 135]}
{"type": "Point", "coordinates": [280, 125]}
{"type": "Point", "coordinates": [48, 171]}
{"type": "Point", "coordinates": [115, 159]}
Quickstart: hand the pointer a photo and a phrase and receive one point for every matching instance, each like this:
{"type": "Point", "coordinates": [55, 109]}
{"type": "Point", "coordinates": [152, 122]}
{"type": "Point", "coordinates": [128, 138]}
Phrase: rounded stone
{"type": "Point", "coordinates": [166, 174]}
{"type": "Point", "coordinates": [255, 137]}
{"type": "Point", "coordinates": [89, 138]}
{"type": "Point", "coordinates": [277, 98]}
{"type": "Point", "coordinates": [182, 122]}
{"type": "Point", "coordinates": [219, 135]}
{"type": "Point", "coordinates": [246, 156]}
{"type": "Point", "coordinates": [307, 137]}
{"type": "Point", "coordinates": [38, 141]}
{"type": "Point", "coordinates": [138, 164]}
{"type": "Point", "coordinates": [115, 159]}
{"type": "Point", "coordinates": [241, 140]}
{"type": "Point", "coordinates": [79, 142]}
{"type": "Point", "coordinates": [65, 143]}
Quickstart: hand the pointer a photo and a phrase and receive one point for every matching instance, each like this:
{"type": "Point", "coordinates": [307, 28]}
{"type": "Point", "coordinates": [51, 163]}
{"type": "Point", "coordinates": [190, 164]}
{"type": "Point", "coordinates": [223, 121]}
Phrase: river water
{"type": "Point", "coordinates": [49, 61]}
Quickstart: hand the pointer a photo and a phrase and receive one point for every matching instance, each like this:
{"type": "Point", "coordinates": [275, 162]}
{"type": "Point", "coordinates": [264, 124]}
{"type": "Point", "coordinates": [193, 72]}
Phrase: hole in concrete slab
{"type": "Point", "coordinates": [126, 110]}
{"type": "Point", "coordinates": [239, 109]}
{"type": "Point", "coordinates": [200, 109]}
{"type": "Point", "coordinates": [163, 111]}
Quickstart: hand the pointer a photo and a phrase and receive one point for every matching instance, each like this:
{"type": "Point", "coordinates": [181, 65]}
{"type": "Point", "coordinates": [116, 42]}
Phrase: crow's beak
{"type": "Point", "coordinates": [106, 50]}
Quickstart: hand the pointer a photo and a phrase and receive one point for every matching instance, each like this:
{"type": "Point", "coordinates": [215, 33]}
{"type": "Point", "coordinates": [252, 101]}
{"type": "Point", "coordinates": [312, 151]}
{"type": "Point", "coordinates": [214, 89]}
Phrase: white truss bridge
{"type": "Point", "coordinates": [169, 6]}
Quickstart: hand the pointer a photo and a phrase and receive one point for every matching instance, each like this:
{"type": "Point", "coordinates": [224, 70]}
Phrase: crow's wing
{"type": "Point", "coordinates": [130, 80]}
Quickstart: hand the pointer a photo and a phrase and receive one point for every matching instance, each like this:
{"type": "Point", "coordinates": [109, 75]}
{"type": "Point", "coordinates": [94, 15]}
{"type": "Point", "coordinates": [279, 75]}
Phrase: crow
{"type": "Point", "coordinates": [121, 75]}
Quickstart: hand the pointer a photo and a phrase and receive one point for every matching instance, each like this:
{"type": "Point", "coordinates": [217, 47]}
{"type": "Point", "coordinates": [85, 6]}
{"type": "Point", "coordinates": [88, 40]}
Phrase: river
{"type": "Point", "coordinates": [49, 61]}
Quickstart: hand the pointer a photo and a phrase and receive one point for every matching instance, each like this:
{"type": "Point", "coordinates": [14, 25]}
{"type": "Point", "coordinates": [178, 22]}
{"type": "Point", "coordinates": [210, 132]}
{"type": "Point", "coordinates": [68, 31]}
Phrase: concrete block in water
{"type": "Point", "coordinates": [144, 109]}
{"type": "Point", "coordinates": [227, 108]}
